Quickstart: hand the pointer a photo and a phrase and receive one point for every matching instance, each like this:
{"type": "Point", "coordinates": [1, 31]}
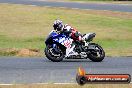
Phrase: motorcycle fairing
{"type": "Point", "coordinates": [65, 41]}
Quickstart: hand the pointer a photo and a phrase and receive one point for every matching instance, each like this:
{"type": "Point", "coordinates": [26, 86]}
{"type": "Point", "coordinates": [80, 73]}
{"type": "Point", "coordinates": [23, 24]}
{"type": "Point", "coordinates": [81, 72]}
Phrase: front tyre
{"type": "Point", "coordinates": [52, 55]}
{"type": "Point", "coordinates": [97, 53]}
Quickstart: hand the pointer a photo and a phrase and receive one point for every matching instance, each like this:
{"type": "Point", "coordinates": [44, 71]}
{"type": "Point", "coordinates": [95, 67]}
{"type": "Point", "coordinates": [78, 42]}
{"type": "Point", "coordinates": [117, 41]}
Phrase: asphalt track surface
{"type": "Point", "coordinates": [41, 70]}
{"type": "Point", "coordinates": [93, 6]}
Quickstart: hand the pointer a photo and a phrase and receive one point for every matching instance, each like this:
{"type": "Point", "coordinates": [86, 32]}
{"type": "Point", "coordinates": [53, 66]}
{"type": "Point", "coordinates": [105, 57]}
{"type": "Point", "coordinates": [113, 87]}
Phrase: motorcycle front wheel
{"type": "Point", "coordinates": [52, 55]}
{"type": "Point", "coordinates": [96, 54]}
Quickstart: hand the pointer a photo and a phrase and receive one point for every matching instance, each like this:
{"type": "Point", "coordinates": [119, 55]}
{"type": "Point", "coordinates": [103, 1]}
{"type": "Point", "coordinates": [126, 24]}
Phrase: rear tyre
{"type": "Point", "coordinates": [52, 55]}
{"type": "Point", "coordinates": [97, 54]}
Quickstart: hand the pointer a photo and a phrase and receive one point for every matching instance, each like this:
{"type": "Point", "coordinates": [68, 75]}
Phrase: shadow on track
{"type": "Point", "coordinates": [74, 60]}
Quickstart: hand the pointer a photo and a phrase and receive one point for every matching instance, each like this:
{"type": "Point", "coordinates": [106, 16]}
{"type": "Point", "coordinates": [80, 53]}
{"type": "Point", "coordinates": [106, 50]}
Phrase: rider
{"type": "Point", "coordinates": [68, 30]}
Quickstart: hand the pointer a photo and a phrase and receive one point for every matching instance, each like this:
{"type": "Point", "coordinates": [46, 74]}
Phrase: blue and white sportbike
{"type": "Point", "coordinates": [59, 46]}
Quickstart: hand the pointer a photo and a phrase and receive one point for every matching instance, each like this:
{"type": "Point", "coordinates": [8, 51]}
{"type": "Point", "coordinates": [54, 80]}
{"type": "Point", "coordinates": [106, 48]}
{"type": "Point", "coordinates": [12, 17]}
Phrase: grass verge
{"type": "Point", "coordinates": [70, 86]}
{"type": "Point", "coordinates": [91, 0]}
{"type": "Point", "coordinates": [23, 26]}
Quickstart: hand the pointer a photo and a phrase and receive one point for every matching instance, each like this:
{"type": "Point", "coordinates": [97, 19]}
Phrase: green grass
{"type": "Point", "coordinates": [24, 26]}
{"type": "Point", "coordinates": [34, 43]}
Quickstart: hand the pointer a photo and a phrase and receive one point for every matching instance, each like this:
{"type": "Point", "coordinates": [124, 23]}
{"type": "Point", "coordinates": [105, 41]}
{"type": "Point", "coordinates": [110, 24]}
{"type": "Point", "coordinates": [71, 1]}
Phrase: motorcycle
{"type": "Point", "coordinates": [59, 46]}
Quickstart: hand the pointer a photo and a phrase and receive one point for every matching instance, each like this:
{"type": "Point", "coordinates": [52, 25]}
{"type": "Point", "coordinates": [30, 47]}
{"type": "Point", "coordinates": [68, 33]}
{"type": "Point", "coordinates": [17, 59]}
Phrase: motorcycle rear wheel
{"type": "Point", "coordinates": [93, 55]}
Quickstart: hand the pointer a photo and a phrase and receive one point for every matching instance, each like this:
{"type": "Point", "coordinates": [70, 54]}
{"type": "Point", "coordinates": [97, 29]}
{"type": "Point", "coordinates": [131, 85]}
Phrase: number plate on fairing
{"type": "Point", "coordinates": [67, 43]}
